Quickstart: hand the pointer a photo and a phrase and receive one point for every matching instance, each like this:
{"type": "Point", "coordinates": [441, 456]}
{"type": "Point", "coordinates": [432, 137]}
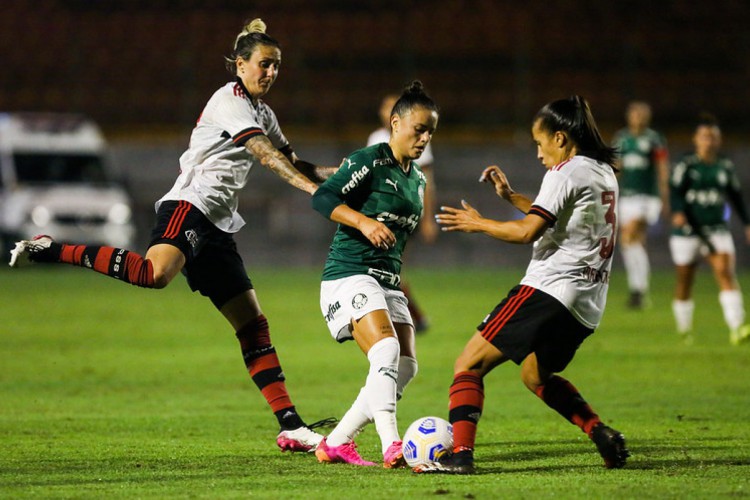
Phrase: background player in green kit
{"type": "Point", "coordinates": [377, 198]}
{"type": "Point", "coordinates": [644, 190]}
{"type": "Point", "coordinates": [701, 186]}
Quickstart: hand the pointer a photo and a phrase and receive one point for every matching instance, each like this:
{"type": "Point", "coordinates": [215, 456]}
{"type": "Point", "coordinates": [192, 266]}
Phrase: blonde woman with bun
{"type": "Point", "coordinates": [197, 218]}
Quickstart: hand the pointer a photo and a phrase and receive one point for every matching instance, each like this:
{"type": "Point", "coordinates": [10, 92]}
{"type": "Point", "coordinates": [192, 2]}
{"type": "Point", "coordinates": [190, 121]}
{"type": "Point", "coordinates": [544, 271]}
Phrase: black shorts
{"type": "Point", "coordinates": [212, 265]}
{"type": "Point", "coordinates": [529, 320]}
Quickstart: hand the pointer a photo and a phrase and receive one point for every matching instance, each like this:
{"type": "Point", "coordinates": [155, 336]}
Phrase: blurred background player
{"type": "Point", "coordinates": [198, 216]}
{"type": "Point", "coordinates": [644, 193]}
{"type": "Point", "coordinates": [428, 229]}
{"type": "Point", "coordinates": [702, 184]}
{"type": "Point", "coordinates": [376, 197]}
{"type": "Point", "coordinates": [560, 301]}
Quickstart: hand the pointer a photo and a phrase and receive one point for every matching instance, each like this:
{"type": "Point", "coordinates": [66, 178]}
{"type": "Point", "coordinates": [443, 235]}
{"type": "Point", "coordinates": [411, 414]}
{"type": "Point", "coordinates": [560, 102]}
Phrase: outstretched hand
{"type": "Point", "coordinates": [497, 177]}
{"type": "Point", "coordinates": [466, 219]}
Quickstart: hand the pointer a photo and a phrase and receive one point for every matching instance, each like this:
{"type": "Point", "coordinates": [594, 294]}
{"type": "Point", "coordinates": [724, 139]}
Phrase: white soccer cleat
{"type": "Point", "coordinates": [22, 255]}
{"type": "Point", "coordinates": [299, 439]}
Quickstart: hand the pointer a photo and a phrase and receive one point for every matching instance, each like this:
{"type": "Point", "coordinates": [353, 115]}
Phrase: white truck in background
{"type": "Point", "coordinates": [55, 179]}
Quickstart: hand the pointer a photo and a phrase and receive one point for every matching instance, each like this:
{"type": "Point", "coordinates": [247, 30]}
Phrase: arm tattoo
{"type": "Point", "coordinates": [271, 158]}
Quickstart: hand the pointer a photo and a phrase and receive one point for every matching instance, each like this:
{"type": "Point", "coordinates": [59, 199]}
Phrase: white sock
{"type": "Point", "coordinates": [637, 267]}
{"type": "Point", "coordinates": [352, 423]}
{"type": "Point", "coordinates": [731, 305]}
{"type": "Point", "coordinates": [407, 370]}
{"type": "Point", "coordinates": [683, 315]}
{"type": "Point", "coordinates": [380, 389]}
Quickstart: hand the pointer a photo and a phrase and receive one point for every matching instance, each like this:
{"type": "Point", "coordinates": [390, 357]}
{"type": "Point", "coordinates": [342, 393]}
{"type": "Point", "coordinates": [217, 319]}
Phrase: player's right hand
{"type": "Point", "coordinates": [497, 177]}
{"type": "Point", "coordinates": [378, 234]}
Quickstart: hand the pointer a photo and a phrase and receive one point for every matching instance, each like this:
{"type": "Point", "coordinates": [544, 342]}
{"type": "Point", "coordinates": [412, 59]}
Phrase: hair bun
{"type": "Point", "coordinates": [415, 87]}
{"type": "Point", "coordinates": [255, 26]}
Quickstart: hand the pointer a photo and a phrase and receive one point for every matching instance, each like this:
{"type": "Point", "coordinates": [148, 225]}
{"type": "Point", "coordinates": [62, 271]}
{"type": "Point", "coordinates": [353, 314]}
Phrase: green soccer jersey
{"type": "Point", "coordinates": [639, 157]}
{"type": "Point", "coordinates": [370, 181]}
{"type": "Point", "coordinates": [701, 191]}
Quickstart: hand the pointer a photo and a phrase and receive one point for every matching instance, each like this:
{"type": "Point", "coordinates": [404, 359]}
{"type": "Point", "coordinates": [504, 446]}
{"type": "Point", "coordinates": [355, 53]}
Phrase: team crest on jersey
{"type": "Point", "coordinates": [192, 237]}
{"type": "Point", "coordinates": [359, 301]}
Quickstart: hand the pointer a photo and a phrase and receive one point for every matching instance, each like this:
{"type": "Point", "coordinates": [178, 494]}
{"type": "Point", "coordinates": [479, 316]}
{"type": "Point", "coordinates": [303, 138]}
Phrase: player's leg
{"type": "Point", "coordinates": [685, 251]}
{"type": "Point", "coordinates": [164, 259]}
{"type": "Point", "coordinates": [730, 297]}
{"type": "Point", "coordinates": [637, 265]}
{"type": "Point", "coordinates": [252, 331]}
{"type": "Point", "coordinates": [560, 395]}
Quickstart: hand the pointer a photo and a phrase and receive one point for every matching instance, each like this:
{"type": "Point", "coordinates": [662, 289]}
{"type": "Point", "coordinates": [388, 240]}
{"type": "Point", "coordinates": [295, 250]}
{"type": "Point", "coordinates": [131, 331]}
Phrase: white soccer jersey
{"type": "Point", "coordinates": [384, 135]}
{"type": "Point", "coordinates": [573, 258]}
{"type": "Point", "coordinates": [216, 165]}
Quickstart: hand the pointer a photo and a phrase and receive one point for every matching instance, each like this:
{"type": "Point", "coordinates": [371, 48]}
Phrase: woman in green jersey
{"type": "Point", "coordinates": [377, 198]}
{"type": "Point", "coordinates": [701, 186]}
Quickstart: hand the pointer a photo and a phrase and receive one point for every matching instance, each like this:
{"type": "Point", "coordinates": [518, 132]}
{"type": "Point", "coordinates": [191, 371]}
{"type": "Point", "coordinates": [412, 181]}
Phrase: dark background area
{"type": "Point", "coordinates": [144, 70]}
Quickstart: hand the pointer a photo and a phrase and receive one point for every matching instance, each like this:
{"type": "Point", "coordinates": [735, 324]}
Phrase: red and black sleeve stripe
{"type": "Point", "coordinates": [549, 217]}
{"type": "Point", "coordinates": [241, 137]}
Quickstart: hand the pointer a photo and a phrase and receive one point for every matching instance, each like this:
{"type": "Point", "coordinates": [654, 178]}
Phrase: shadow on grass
{"type": "Point", "coordinates": [645, 455]}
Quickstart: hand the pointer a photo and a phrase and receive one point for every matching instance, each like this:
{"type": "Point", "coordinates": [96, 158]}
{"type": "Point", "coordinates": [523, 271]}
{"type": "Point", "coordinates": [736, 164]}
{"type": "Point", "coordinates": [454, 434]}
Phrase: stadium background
{"type": "Point", "coordinates": [144, 69]}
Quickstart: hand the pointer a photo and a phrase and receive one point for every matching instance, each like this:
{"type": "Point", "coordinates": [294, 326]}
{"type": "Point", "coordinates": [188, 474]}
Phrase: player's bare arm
{"type": "Point", "coordinates": [375, 231]}
{"type": "Point", "coordinates": [315, 173]}
{"type": "Point", "coordinates": [469, 220]}
{"type": "Point", "coordinates": [270, 157]}
{"type": "Point", "coordinates": [497, 177]}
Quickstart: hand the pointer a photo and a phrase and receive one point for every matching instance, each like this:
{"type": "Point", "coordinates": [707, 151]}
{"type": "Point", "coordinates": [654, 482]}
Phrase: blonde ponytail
{"type": "Point", "coordinates": [255, 26]}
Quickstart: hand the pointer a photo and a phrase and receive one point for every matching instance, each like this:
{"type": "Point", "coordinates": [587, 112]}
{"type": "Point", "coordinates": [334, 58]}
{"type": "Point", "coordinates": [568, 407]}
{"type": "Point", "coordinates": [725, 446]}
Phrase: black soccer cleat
{"type": "Point", "coordinates": [461, 462]}
{"type": "Point", "coordinates": [611, 446]}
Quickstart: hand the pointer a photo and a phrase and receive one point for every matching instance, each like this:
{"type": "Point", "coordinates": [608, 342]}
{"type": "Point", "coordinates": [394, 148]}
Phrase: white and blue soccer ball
{"type": "Point", "coordinates": [426, 439]}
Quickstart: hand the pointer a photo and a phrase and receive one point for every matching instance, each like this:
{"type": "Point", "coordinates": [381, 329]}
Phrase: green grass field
{"type": "Point", "coordinates": [111, 391]}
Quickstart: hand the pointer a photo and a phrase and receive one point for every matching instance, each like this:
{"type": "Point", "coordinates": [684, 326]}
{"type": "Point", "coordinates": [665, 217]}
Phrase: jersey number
{"type": "Point", "coordinates": [608, 246]}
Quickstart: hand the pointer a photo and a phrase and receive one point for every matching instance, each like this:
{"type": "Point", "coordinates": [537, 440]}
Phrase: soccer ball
{"type": "Point", "coordinates": [426, 439]}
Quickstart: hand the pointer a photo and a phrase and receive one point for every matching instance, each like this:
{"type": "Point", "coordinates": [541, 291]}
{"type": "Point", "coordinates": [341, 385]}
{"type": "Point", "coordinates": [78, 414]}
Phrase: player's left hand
{"type": "Point", "coordinates": [466, 219]}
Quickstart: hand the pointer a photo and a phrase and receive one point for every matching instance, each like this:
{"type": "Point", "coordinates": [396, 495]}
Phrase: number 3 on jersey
{"type": "Point", "coordinates": [608, 245]}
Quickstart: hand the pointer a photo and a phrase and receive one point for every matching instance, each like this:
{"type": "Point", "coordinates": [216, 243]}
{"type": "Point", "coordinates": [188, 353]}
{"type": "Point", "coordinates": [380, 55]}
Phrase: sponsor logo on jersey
{"type": "Point", "coordinates": [192, 237]}
{"type": "Point", "coordinates": [704, 197]}
{"type": "Point", "coordinates": [410, 222]}
{"type": "Point", "coordinates": [357, 177]}
{"type": "Point", "coordinates": [382, 161]}
{"type": "Point", "coordinates": [359, 301]}
{"type": "Point", "coordinates": [392, 183]}
{"type": "Point", "coordinates": [332, 308]}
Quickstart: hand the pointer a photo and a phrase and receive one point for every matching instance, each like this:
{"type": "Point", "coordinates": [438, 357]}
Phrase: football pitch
{"type": "Point", "coordinates": [111, 391]}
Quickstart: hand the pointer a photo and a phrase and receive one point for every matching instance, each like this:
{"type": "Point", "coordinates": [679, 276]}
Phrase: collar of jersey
{"type": "Point", "coordinates": [389, 151]}
{"type": "Point", "coordinates": [245, 91]}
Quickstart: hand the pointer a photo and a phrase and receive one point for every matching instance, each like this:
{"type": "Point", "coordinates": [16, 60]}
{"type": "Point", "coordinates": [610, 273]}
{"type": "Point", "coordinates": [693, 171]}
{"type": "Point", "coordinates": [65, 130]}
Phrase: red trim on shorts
{"type": "Point", "coordinates": [175, 222]}
{"type": "Point", "coordinates": [509, 309]}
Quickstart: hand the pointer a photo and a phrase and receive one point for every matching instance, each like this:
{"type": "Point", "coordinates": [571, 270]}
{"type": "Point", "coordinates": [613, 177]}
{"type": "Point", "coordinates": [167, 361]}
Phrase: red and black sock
{"type": "Point", "coordinates": [115, 262]}
{"type": "Point", "coordinates": [466, 403]}
{"type": "Point", "coordinates": [564, 398]}
{"type": "Point", "coordinates": [264, 368]}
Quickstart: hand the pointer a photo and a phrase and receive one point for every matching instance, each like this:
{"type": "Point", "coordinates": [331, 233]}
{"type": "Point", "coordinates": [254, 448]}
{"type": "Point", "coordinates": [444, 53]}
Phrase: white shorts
{"type": "Point", "coordinates": [351, 298]}
{"type": "Point", "coordinates": [640, 207]}
{"type": "Point", "coordinates": [687, 250]}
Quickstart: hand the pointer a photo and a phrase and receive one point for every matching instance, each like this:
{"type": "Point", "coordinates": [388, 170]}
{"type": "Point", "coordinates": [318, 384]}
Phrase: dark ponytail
{"type": "Point", "coordinates": [413, 95]}
{"type": "Point", "coordinates": [573, 116]}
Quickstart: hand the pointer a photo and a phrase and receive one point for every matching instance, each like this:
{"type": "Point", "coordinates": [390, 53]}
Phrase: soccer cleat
{"type": "Point", "coordinates": [299, 439]}
{"type": "Point", "coordinates": [36, 249]}
{"type": "Point", "coordinates": [346, 453]}
{"type": "Point", "coordinates": [460, 462]}
{"type": "Point", "coordinates": [739, 335]}
{"type": "Point", "coordinates": [611, 446]}
{"type": "Point", "coordinates": [393, 458]}
{"type": "Point", "coordinates": [635, 300]}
